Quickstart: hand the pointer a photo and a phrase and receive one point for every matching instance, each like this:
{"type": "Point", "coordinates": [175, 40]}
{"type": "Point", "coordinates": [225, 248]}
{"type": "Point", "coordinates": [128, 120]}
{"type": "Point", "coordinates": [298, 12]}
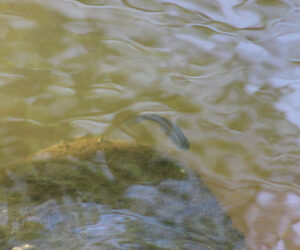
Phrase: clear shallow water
{"type": "Point", "coordinates": [226, 72]}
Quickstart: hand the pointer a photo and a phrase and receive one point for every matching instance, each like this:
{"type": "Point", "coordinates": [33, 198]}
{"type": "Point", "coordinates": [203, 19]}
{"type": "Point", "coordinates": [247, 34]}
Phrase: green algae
{"type": "Point", "coordinates": [91, 168]}
{"type": "Point", "coordinates": [29, 230]}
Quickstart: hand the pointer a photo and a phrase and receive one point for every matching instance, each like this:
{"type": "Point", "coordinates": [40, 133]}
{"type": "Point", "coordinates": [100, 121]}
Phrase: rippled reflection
{"type": "Point", "coordinates": [226, 72]}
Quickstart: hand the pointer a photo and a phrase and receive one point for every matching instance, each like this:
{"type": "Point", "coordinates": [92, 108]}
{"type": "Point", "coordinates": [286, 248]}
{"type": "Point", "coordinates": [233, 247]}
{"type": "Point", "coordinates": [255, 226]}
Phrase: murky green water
{"type": "Point", "coordinates": [226, 72]}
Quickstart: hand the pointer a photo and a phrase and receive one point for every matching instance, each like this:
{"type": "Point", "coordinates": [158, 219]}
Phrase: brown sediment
{"type": "Point", "coordinates": [85, 148]}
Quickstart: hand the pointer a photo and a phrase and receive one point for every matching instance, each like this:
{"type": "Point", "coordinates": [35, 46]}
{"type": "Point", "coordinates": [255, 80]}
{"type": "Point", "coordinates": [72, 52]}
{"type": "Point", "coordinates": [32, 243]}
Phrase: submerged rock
{"type": "Point", "coordinates": [93, 193]}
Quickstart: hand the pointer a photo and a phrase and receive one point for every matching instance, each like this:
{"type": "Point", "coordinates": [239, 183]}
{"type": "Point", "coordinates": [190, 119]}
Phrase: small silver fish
{"type": "Point", "coordinates": [169, 127]}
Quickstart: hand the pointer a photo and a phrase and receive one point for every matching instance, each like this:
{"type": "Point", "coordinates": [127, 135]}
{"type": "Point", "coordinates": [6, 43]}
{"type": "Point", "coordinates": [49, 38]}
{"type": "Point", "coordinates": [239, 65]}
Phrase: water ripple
{"type": "Point", "coordinates": [225, 72]}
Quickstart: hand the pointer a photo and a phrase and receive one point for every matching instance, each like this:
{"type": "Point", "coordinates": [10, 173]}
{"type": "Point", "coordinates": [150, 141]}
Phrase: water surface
{"type": "Point", "coordinates": [226, 72]}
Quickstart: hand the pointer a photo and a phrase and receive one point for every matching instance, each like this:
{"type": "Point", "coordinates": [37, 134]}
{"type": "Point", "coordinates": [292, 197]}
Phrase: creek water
{"type": "Point", "coordinates": [226, 72]}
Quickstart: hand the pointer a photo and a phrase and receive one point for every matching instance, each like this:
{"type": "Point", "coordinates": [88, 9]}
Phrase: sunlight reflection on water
{"type": "Point", "coordinates": [226, 72]}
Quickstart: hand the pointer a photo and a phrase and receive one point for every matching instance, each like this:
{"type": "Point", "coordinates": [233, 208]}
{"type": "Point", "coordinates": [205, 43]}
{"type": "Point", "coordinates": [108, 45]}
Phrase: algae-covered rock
{"type": "Point", "coordinates": [92, 168]}
{"type": "Point", "coordinates": [94, 193]}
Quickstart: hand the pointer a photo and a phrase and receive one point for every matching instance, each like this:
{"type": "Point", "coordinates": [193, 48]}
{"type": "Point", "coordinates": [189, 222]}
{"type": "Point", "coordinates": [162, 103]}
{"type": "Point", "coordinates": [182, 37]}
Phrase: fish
{"type": "Point", "coordinates": [169, 127]}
